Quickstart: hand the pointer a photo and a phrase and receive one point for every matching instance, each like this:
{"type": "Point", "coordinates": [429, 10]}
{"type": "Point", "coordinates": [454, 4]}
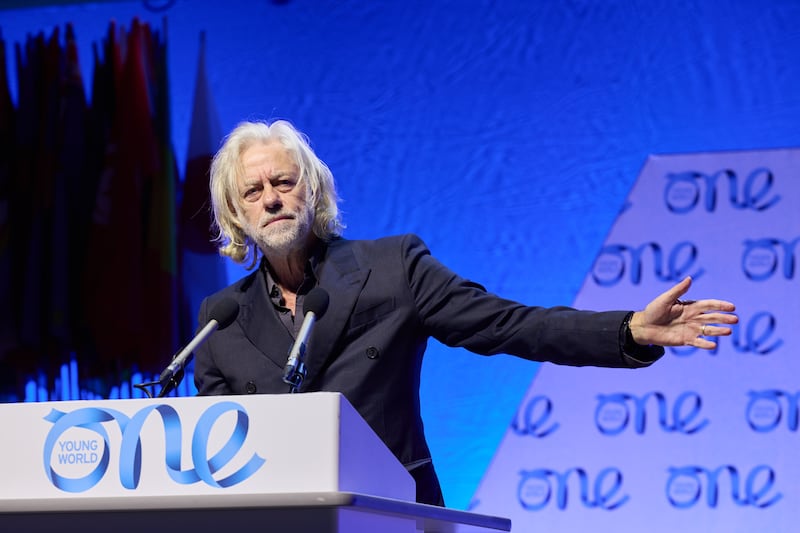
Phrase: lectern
{"type": "Point", "coordinates": [272, 463]}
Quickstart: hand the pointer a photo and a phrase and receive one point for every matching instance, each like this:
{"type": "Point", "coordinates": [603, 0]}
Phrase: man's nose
{"type": "Point", "coordinates": [271, 199]}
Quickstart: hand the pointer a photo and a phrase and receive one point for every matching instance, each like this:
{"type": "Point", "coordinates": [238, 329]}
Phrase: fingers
{"type": "Point", "coordinates": [705, 344]}
{"type": "Point", "coordinates": [709, 326]}
{"type": "Point", "coordinates": [679, 289]}
{"type": "Point", "coordinates": [669, 321]}
{"type": "Point", "coordinates": [714, 331]}
{"type": "Point", "coordinates": [718, 318]}
{"type": "Point", "coordinates": [704, 306]}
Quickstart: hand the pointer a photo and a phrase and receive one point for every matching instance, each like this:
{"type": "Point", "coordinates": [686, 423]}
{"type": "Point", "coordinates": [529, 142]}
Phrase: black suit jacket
{"type": "Point", "coordinates": [387, 297]}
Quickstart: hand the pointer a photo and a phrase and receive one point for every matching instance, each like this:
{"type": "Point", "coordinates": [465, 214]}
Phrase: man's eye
{"type": "Point", "coordinates": [284, 185]}
{"type": "Point", "coordinates": [251, 193]}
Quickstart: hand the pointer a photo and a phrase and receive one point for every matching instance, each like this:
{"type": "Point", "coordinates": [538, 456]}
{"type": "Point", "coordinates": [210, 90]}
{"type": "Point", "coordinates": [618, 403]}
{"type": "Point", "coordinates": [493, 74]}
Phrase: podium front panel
{"type": "Point", "coordinates": [90, 453]}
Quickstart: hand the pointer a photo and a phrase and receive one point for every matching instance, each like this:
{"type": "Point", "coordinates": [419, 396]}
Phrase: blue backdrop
{"type": "Point", "coordinates": [506, 133]}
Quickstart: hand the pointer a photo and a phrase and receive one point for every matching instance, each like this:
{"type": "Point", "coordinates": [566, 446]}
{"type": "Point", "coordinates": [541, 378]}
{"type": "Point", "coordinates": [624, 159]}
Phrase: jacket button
{"type": "Point", "coordinates": [372, 352]}
{"type": "Point", "coordinates": [250, 387]}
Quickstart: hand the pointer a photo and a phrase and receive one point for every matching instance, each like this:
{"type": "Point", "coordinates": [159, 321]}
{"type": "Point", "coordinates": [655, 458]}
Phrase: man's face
{"type": "Point", "coordinates": [274, 209]}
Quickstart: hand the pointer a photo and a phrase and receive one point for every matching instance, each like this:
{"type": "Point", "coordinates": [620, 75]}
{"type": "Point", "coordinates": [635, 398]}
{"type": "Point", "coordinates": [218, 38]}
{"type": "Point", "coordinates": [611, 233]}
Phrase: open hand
{"type": "Point", "coordinates": [670, 321]}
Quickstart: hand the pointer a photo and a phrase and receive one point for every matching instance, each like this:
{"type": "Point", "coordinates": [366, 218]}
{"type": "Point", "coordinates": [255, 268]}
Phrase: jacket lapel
{"type": "Point", "coordinates": [259, 321]}
{"type": "Point", "coordinates": [340, 275]}
{"type": "Point", "coordinates": [343, 278]}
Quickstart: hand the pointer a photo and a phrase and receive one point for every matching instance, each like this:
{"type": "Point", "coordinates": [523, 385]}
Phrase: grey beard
{"type": "Point", "coordinates": [280, 242]}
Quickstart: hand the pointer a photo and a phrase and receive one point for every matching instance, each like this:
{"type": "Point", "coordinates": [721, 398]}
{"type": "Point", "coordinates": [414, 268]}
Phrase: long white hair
{"type": "Point", "coordinates": [226, 167]}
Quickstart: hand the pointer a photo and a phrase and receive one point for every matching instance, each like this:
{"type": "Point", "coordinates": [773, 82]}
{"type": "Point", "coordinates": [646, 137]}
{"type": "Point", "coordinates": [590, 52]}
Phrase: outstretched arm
{"type": "Point", "coordinates": [670, 321]}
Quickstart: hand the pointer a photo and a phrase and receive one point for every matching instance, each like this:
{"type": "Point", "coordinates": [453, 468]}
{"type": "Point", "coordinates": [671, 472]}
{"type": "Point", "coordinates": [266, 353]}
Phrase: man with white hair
{"type": "Point", "coordinates": [275, 209]}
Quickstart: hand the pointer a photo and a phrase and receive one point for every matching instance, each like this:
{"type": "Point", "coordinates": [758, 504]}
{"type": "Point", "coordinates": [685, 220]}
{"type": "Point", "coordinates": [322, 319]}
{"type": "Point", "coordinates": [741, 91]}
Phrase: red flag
{"type": "Point", "coordinates": [131, 288]}
{"type": "Point", "coordinates": [202, 268]}
{"type": "Point", "coordinates": [101, 150]}
{"type": "Point", "coordinates": [115, 282]}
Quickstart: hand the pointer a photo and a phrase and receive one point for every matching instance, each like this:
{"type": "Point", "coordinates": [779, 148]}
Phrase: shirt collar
{"type": "Point", "coordinates": [310, 280]}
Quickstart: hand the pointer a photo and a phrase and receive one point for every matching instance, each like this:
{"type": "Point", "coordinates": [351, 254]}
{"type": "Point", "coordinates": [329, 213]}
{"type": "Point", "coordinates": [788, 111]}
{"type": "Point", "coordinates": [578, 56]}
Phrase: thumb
{"type": "Point", "coordinates": [677, 290]}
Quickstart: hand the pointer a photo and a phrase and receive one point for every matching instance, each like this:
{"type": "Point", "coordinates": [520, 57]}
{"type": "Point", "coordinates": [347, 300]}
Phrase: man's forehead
{"type": "Point", "coordinates": [267, 159]}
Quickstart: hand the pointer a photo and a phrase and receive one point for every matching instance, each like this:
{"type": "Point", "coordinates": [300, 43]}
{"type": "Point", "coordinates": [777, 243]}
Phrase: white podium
{"type": "Point", "coordinates": [294, 463]}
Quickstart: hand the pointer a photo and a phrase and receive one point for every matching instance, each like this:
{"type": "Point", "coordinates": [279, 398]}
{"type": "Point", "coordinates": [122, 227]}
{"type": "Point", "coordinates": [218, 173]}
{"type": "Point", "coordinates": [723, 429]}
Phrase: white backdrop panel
{"type": "Point", "coordinates": [702, 440]}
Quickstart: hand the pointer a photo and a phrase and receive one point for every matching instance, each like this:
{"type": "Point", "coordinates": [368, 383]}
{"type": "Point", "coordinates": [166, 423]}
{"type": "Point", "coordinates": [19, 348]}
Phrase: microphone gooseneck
{"type": "Point", "coordinates": [315, 304]}
{"type": "Point", "coordinates": [221, 316]}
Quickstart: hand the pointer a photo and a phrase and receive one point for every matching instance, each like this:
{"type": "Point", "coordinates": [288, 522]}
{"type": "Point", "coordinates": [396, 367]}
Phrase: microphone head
{"type": "Point", "coordinates": [224, 312]}
{"type": "Point", "coordinates": [316, 301]}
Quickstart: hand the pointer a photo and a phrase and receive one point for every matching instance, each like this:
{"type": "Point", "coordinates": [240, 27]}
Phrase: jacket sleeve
{"type": "Point", "coordinates": [459, 312]}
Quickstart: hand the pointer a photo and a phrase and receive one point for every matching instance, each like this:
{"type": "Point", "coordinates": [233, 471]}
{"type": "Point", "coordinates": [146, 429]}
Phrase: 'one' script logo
{"type": "Point", "coordinates": [77, 448]}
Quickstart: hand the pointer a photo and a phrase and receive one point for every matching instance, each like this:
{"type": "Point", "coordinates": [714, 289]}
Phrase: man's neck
{"type": "Point", "coordinates": [289, 270]}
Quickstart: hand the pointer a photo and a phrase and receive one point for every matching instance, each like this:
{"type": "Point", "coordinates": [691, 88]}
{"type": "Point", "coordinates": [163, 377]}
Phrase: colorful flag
{"type": "Point", "coordinates": [88, 205]}
{"type": "Point", "coordinates": [161, 264]}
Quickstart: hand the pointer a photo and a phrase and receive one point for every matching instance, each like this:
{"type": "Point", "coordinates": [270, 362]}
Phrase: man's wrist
{"type": "Point", "coordinates": [626, 335]}
{"type": "Point", "coordinates": [641, 354]}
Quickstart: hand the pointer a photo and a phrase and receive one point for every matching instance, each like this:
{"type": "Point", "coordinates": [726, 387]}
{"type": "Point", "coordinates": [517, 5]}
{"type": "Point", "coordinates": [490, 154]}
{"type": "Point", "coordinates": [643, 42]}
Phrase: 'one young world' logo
{"type": "Point", "coordinates": [77, 449]}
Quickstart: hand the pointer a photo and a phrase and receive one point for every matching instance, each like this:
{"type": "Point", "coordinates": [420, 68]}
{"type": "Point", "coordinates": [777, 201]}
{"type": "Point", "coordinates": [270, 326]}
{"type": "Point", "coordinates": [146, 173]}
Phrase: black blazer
{"type": "Point", "coordinates": [387, 297]}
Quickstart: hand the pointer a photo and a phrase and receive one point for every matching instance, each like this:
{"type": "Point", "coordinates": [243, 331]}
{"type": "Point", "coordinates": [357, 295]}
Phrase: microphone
{"type": "Point", "coordinates": [315, 304]}
{"type": "Point", "coordinates": [222, 315]}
